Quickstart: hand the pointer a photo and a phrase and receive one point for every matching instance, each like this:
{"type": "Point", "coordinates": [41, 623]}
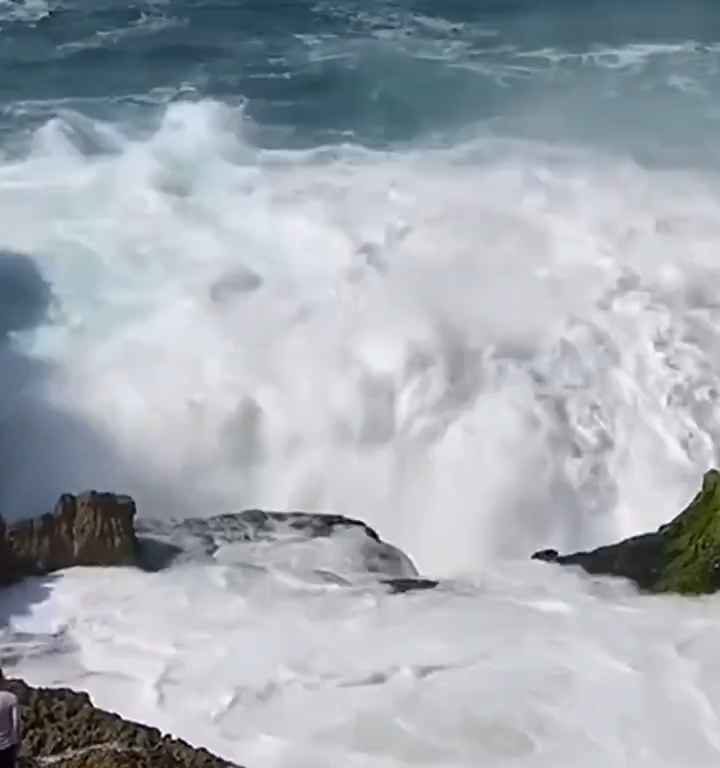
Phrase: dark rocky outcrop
{"type": "Point", "coordinates": [163, 542]}
{"type": "Point", "coordinates": [89, 529]}
{"type": "Point", "coordinates": [682, 556]}
{"type": "Point", "coordinates": [207, 534]}
{"type": "Point", "coordinates": [400, 586]}
{"type": "Point", "coordinates": [62, 728]}
{"type": "Point", "coordinates": [100, 529]}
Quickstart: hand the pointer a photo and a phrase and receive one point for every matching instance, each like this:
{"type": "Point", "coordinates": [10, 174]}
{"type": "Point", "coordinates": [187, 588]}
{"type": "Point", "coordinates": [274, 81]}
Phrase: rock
{"type": "Point", "coordinates": [90, 529]}
{"type": "Point", "coordinates": [99, 529]}
{"type": "Point", "coordinates": [547, 555]}
{"type": "Point", "coordinates": [165, 542]}
{"type": "Point", "coordinates": [681, 556]}
{"type": "Point", "coordinates": [400, 586]}
{"type": "Point", "coordinates": [62, 728]}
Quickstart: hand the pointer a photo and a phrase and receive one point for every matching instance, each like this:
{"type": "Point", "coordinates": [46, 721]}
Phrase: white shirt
{"type": "Point", "coordinates": [9, 720]}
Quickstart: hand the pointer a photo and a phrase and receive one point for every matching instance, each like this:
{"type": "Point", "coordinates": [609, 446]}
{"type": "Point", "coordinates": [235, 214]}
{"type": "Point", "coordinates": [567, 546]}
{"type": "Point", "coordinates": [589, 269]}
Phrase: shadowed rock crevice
{"type": "Point", "coordinates": [682, 556]}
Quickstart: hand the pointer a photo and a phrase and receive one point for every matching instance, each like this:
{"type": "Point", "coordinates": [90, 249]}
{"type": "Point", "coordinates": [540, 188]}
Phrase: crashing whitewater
{"type": "Point", "coordinates": [478, 350]}
{"type": "Point", "coordinates": [482, 342]}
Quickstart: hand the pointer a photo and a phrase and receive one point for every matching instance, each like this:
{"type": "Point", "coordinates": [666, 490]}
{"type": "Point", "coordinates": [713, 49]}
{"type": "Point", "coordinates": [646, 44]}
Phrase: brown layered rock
{"type": "Point", "coordinates": [62, 728]}
{"type": "Point", "coordinates": [89, 529]}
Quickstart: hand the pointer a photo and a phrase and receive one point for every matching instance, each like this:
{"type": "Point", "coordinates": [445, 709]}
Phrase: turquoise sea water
{"type": "Point", "coordinates": [640, 75]}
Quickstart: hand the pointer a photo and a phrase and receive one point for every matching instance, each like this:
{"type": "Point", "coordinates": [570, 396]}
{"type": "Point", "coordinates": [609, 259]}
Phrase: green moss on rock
{"type": "Point", "coordinates": [692, 544]}
{"type": "Point", "coordinates": [682, 556]}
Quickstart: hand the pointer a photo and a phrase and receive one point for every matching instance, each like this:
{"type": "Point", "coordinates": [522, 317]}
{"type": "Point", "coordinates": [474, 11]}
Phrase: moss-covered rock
{"type": "Point", "coordinates": [682, 556]}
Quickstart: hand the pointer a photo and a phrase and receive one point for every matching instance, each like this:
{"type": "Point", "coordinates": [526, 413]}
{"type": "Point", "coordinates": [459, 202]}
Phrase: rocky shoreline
{"type": "Point", "coordinates": [63, 728]}
{"type": "Point", "coordinates": [682, 556]}
{"type": "Point", "coordinates": [89, 529]}
{"type": "Point", "coordinates": [99, 529]}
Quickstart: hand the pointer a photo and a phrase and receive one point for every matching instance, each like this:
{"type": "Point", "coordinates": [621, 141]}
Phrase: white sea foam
{"type": "Point", "coordinates": [24, 11]}
{"type": "Point", "coordinates": [479, 350]}
{"type": "Point", "coordinates": [49, 108]}
{"type": "Point", "coordinates": [621, 57]}
{"type": "Point", "coordinates": [148, 23]}
{"type": "Point", "coordinates": [524, 666]}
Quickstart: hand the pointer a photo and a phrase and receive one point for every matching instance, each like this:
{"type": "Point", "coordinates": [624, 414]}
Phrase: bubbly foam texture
{"type": "Point", "coordinates": [525, 666]}
{"type": "Point", "coordinates": [479, 350]}
{"type": "Point", "coordinates": [23, 11]}
{"type": "Point", "coordinates": [625, 56]}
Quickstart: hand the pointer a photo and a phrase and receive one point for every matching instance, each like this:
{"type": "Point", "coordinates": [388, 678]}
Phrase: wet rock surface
{"type": "Point", "coordinates": [400, 586]}
{"type": "Point", "coordinates": [63, 728]}
{"type": "Point", "coordinates": [89, 529]}
{"type": "Point", "coordinates": [682, 556]}
{"type": "Point", "coordinates": [163, 543]}
{"type": "Point", "coordinates": [101, 529]}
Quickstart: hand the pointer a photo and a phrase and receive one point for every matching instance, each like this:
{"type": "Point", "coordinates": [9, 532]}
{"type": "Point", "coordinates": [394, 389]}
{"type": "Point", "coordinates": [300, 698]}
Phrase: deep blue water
{"type": "Point", "coordinates": [639, 74]}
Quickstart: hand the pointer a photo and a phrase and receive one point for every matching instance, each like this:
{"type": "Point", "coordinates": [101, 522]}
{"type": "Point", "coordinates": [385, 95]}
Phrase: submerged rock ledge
{"type": "Point", "coordinates": [161, 542]}
{"type": "Point", "coordinates": [682, 556]}
{"type": "Point", "coordinates": [63, 728]}
{"type": "Point", "coordinates": [99, 529]}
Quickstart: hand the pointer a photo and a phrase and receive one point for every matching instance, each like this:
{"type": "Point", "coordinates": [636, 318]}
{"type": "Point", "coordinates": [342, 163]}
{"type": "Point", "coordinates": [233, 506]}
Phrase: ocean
{"type": "Point", "coordinates": [447, 267]}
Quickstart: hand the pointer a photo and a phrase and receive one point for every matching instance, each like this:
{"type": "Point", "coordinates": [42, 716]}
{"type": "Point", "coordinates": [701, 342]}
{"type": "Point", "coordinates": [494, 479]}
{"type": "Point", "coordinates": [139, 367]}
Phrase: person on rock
{"type": "Point", "coordinates": [10, 728]}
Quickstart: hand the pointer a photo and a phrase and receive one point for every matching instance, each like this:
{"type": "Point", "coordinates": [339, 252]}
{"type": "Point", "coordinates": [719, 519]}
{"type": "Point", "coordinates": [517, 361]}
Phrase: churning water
{"type": "Point", "coordinates": [449, 267]}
